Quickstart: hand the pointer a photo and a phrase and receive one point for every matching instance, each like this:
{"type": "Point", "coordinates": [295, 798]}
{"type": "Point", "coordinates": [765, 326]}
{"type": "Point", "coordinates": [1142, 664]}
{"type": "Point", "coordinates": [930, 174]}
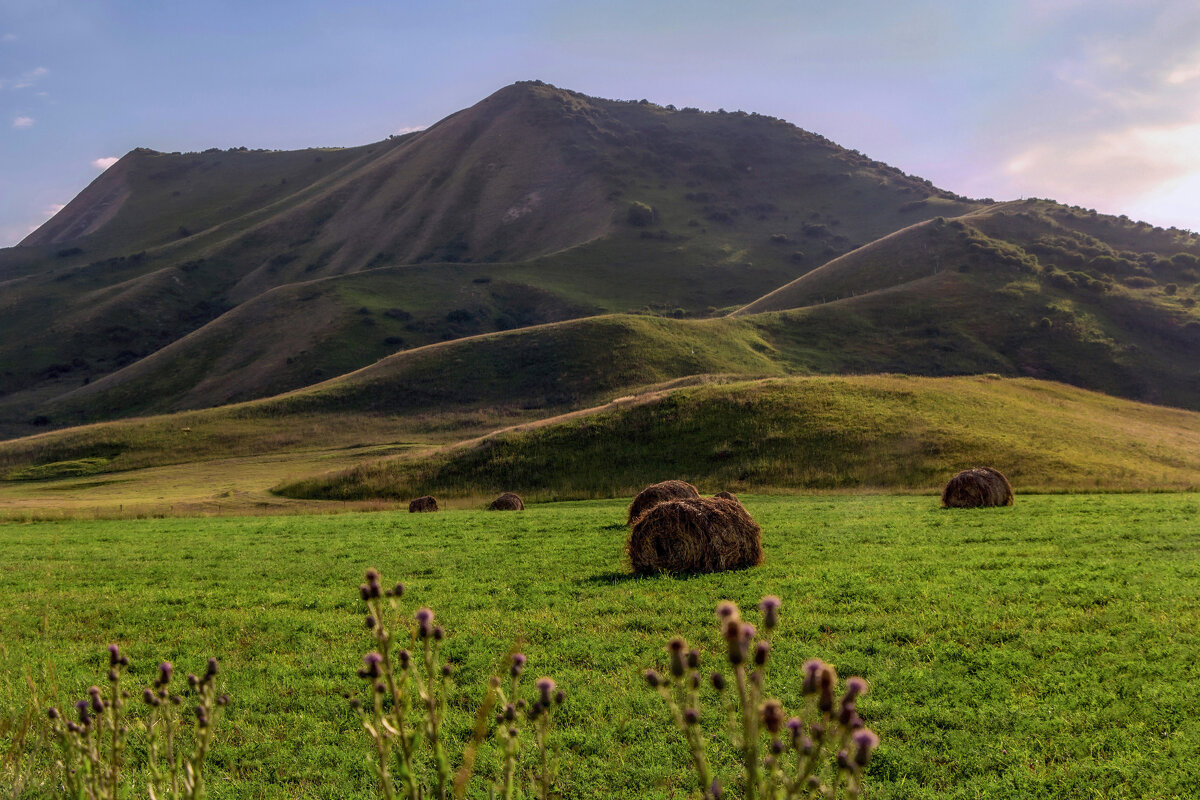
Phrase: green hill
{"type": "Point", "coordinates": [605, 205]}
{"type": "Point", "coordinates": [805, 433]}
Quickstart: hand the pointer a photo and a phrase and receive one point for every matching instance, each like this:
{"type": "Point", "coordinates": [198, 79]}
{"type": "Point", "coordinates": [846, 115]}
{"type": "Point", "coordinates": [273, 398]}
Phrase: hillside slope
{"type": "Point", "coordinates": [674, 210]}
{"type": "Point", "coordinates": [805, 433]}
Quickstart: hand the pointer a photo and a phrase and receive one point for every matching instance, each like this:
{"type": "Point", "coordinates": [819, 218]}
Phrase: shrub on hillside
{"type": "Point", "coordinates": [640, 215]}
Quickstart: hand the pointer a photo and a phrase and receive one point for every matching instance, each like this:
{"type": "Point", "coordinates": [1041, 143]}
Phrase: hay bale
{"type": "Point", "coordinates": [979, 487]}
{"type": "Point", "coordinates": [657, 493]}
{"type": "Point", "coordinates": [694, 535]}
{"type": "Point", "coordinates": [507, 502]}
{"type": "Point", "coordinates": [425, 503]}
{"type": "Point", "coordinates": [727, 496]}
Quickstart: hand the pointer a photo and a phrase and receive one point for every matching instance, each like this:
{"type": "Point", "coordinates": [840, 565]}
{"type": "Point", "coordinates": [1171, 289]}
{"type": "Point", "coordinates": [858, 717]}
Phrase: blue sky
{"type": "Point", "coordinates": [1091, 102]}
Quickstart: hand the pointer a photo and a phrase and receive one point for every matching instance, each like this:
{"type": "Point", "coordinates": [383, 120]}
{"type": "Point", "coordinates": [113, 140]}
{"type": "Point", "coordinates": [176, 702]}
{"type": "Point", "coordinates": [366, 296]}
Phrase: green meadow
{"type": "Point", "coordinates": [1044, 650]}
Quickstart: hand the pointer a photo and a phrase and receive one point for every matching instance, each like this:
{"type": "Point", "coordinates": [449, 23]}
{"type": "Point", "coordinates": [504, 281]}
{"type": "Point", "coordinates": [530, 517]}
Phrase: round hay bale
{"type": "Point", "coordinates": [656, 493]}
{"type": "Point", "coordinates": [507, 502]}
{"type": "Point", "coordinates": [425, 503]}
{"type": "Point", "coordinates": [727, 496]}
{"type": "Point", "coordinates": [979, 487]}
{"type": "Point", "coordinates": [694, 535]}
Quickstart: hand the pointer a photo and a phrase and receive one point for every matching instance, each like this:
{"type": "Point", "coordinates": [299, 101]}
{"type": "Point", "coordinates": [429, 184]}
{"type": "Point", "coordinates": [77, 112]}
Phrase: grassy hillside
{"type": "Point", "coordinates": [883, 431]}
{"type": "Point", "coordinates": [674, 211]}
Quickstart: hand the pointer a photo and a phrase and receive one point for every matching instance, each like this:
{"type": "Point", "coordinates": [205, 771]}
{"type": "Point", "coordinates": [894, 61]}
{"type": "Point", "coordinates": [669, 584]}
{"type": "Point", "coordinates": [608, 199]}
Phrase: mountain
{"type": "Point", "coordinates": [569, 205]}
{"type": "Point", "coordinates": [543, 251]}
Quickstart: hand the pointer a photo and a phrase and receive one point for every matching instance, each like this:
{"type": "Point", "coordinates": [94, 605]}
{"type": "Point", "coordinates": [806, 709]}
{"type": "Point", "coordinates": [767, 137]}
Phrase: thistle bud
{"type": "Point", "coordinates": [691, 716]}
{"type": "Point", "coordinates": [676, 649]}
{"type": "Point", "coordinates": [726, 610]}
{"type": "Point", "coordinates": [761, 651]}
{"type": "Point", "coordinates": [776, 747]}
{"type": "Point", "coordinates": [517, 665]}
{"type": "Point", "coordinates": [865, 741]}
{"type": "Point", "coordinates": [854, 687]}
{"type": "Point", "coordinates": [772, 716]}
{"type": "Point", "coordinates": [192, 680]}
{"type": "Point", "coordinates": [213, 668]}
{"type": "Point", "coordinates": [812, 672]}
{"type": "Point", "coordinates": [718, 681]}
{"type": "Point", "coordinates": [693, 659]}
{"type": "Point", "coordinates": [439, 633]}
{"type": "Point", "coordinates": [364, 591]}
{"type": "Point", "coordinates": [149, 697]}
{"type": "Point", "coordinates": [545, 687]}
{"type": "Point", "coordinates": [510, 713]}
{"type": "Point", "coordinates": [223, 700]}
{"type": "Point", "coordinates": [843, 759]}
{"type": "Point", "coordinates": [405, 658]}
{"type": "Point", "coordinates": [164, 673]}
{"type": "Point", "coordinates": [355, 703]}
{"type": "Point", "coordinates": [114, 655]}
{"type": "Point", "coordinates": [847, 713]}
{"type": "Point", "coordinates": [769, 606]}
{"type": "Point", "coordinates": [396, 591]}
{"type": "Point", "coordinates": [52, 712]}
{"type": "Point", "coordinates": [424, 623]}
{"type": "Point", "coordinates": [446, 670]}
{"type": "Point", "coordinates": [370, 670]}
{"type": "Point", "coordinates": [370, 622]}
{"type": "Point", "coordinates": [560, 697]}
{"type": "Point", "coordinates": [653, 678]}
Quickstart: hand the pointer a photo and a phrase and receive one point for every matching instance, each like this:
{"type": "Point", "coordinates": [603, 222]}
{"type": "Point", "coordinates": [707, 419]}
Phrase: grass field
{"type": "Point", "coordinates": [1046, 650]}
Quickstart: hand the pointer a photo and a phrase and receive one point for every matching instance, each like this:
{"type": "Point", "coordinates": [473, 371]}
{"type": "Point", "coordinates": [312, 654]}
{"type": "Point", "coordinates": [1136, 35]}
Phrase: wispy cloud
{"type": "Point", "coordinates": [30, 77]}
{"type": "Point", "coordinates": [8, 37]}
{"type": "Point", "coordinates": [106, 162]}
{"type": "Point", "coordinates": [410, 129]}
{"type": "Point", "coordinates": [54, 208]}
{"type": "Point", "coordinates": [23, 122]}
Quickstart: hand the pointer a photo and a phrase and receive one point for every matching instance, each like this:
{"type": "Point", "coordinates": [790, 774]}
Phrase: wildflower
{"type": "Point", "coordinates": [761, 651]}
{"type": "Point", "coordinates": [439, 633]}
{"type": "Point", "coordinates": [769, 606]}
{"type": "Point", "coordinates": [424, 622]}
{"type": "Point", "coordinates": [772, 716]}
{"type": "Point", "coordinates": [405, 659]}
{"type": "Point", "coordinates": [164, 674]}
{"type": "Point", "coordinates": [212, 668]}
{"type": "Point", "coordinates": [223, 700]}
{"type": "Point", "coordinates": [693, 659]}
{"type": "Point", "coordinates": [676, 648]}
{"type": "Point", "coordinates": [518, 664]}
{"type": "Point", "coordinates": [854, 687]}
{"type": "Point", "coordinates": [865, 740]}
{"type": "Point", "coordinates": [85, 716]}
{"type": "Point", "coordinates": [545, 688]}
{"type": "Point", "coordinates": [718, 681]}
{"type": "Point", "coordinates": [726, 610]}
{"type": "Point", "coordinates": [843, 759]}
{"type": "Point", "coordinates": [114, 655]}
{"type": "Point", "coordinates": [691, 716]}
{"type": "Point", "coordinates": [560, 697]}
{"type": "Point", "coordinates": [371, 669]}
{"type": "Point", "coordinates": [812, 671]}
{"type": "Point", "coordinates": [52, 712]}
{"type": "Point", "coordinates": [149, 698]}
{"type": "Point", "coordinates": [653, 678]}
{"type": "Point", "coordinates": [446, 670]}
{"type": "Point", "coordinates": [396, 591]}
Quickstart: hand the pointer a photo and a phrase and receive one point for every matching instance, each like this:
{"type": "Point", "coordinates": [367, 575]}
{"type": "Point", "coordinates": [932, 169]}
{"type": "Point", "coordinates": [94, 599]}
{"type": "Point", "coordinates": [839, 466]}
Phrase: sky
{"type": "Point", "coordinates": [1090, 102]}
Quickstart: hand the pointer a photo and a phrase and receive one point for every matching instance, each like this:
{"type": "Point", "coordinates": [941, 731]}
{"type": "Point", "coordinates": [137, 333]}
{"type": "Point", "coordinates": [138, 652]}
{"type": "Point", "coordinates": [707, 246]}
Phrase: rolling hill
{"type": "Point", "coordinates": [591, 205]}
{"type": "Point", "coordinates": [804, 433]}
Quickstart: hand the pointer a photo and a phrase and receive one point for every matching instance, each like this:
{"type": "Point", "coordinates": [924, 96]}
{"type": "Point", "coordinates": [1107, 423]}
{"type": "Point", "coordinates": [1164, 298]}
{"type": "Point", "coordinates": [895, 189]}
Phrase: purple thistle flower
{"type": "Point", "coordinates": [370, 670]}
{"type": "Point", "coordinates": [812, 671]}
{"type": "Point", "coordinates": [545, 687]}
{"type": "Point", "coordinates": [691, 716]}
{"type": "Point", "coordinates": [776, 747]}
{"type": "Point", "coordinates": [212, 668]}
{"type": "Point", "coordinates": [772, 716]}
{"type": "Point", "coordinates": [865, 740]}
{"type": "Point", "coordinates": [85, 716]}
{"type": "Point", "coordinates": [843, 759]}
{"type": "Point", "coordinates": [715, 789]}
{"type": "Point", "coordinates": [424, 623]}
{"type": "Point", "coordinates": [517, 665]}
{"type": "Point", "coordinates": [364, 591]}
{"type": "Point", "coordinates": [114, 655]}
{"type": "Point", "coordinates": [164, 673]}
{"type": "Point", "coordinates": [854, 687]}
{"type": "Point", "coordinates": [693, 659]}
{"type": "Point", "coordinates": [653, 679]}
{"type": "Point", "coordinates": [726, 610]}
{"type": "Point", "coordinates": [439, 633]}
{"type": "Point", "coordinates": [676, 649]}
{"type": "Point", "coordinates": [560, 697]}
{"type": "Point", "coordinates": [848, 713]}
{"type": "Point", "coordinates": [52, 712]}
{"type": "Point", "coordinates": [370, 622]}
{"type": "Point", "coordinates": [769, 606]}
{"type": "Point", "coordinates": [761, 651]}
{"type": "Point", "coordinates": [405, 658]}
{"type": "Point", "coordinates": [397, 590]}
{"type": "Point", "coordinates": [149, 698]}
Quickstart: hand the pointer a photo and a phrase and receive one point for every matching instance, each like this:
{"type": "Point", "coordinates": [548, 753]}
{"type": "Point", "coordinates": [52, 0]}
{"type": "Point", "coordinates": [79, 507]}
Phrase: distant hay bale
{"type": "Point", "coordinates": [980, 487]}
{"type": "Point", "coordinates": [694, 535]}
{"type": "Point", "coordinates": [727, 496]}
{"type": "Point", "coordinates": [656, 493]}
{"type": "Point", "coordinates": [507, 502]}
{"type": "Point", "coordinates": [425, 503]}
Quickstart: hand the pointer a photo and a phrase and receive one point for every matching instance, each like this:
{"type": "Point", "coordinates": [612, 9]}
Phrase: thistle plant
{"type": "Point", "coordinates": [821, 753]}
{"type": "Point", "coordinates": [406, 713]}
{"type": "Point", "coordinates": [515, 714]}
{"type": "Point", "coordinates": [176, 772]}
{"type": "Point", "coordinates": [93, 745]}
